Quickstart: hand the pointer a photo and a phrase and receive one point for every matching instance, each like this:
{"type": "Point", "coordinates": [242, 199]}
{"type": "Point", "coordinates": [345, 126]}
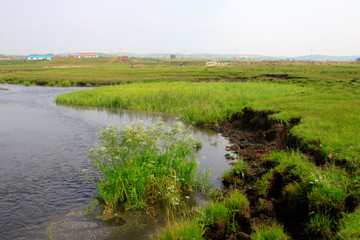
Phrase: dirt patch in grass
{"type": "Point", "coordinates": [253, 136]}
{"type": "Point", "coordinates": [67, 66]}
{"type": "Point", "coordinates": [13, 70]}
{"type": "Point", "coordinates": [224, 80]}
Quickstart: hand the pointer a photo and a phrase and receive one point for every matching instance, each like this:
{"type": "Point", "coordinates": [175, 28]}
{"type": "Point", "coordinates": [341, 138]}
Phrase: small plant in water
{"type": "Point", "coordinates": [138, 165]}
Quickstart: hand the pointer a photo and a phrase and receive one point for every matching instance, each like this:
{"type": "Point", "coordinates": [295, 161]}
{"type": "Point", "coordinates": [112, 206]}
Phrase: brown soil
{"type": "Point", "coordinates": [288, 63]}
{"type": "Point", "coordinates": [4, 89]}
{"type": "Point", "coordinates": [253, 136]}
{"type": "Point", "coordinates": [13, 70]}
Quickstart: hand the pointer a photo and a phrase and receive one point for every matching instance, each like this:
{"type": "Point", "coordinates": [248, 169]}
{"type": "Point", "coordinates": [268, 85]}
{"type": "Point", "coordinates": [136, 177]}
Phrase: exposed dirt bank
{"type": "Point", "coordinates": [4, 89]}
{"type": "Point", "coordinates": [253, 136]}
{"type": "Point", "coordinates": [13, 70]}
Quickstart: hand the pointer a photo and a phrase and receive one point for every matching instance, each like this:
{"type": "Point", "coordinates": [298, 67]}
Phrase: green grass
{"type": "Point", "coordinates": [321, 225]}
{"type": "Point", "coordinates": [181, 230]}
{"type": "Point", "coordinates": [327, 102]}
{"type": "Point", "coordinates": [269, 232]}
{"type": "Point", "coordinates": [299, 184]}
{"type": "Point", "coordinates": [194, 102]}
{"type": "Point", "coordinates": [239, 170]}
{"type": "Point", "coordinates": [137, 165]}
{"type": "Point", "coordinates": [349, 226]}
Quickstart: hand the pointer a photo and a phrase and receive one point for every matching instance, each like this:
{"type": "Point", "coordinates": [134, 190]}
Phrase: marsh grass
{"type": "Point", "coordinates": [194, 102]}
{"type": "Point", "coordinates": [349, 226]}
{"type": "Point", "coordinates": [269, 232]}
{"type": "Point", "coordinates": [239, 169]}
{"type": "Point", "coordinates": [301, 184]}
{"type": "Point", "coordinates": [182, 229]}
{"type": "Point", "coordinates": [321, 225]}
{"type": "Point", "coordinates": [137, 165]}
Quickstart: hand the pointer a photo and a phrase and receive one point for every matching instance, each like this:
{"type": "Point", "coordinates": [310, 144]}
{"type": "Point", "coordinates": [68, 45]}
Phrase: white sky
{"type": "Point", "coordinates": [265, 27]}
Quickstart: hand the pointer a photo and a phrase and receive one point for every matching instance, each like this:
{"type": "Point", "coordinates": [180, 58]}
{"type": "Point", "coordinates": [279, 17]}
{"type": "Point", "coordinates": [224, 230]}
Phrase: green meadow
{"type": "Point", "coordinates": [326, 99]}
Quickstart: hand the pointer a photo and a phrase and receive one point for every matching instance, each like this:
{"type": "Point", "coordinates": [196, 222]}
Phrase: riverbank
{"type": "Point", "coordinates": [309, 173]}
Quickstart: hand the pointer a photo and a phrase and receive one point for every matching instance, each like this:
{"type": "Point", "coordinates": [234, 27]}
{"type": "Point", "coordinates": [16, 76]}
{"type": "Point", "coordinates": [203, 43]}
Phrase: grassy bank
{"type": "Point", "coordinates": [195, 102]}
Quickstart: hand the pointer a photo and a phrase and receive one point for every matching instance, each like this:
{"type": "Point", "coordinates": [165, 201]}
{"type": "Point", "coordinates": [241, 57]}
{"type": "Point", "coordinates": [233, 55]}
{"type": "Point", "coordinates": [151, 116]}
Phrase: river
{"type": "Point", "coordinates": [43, 148]}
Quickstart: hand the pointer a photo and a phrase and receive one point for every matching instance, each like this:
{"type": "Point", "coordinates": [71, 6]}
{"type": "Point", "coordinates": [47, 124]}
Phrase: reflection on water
{"type": "Point", "coordinates": [43, 148]}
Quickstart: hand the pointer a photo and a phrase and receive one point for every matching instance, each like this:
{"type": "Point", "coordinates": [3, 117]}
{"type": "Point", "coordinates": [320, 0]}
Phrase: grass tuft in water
{"type": "Point", "coordinates": [137, 165]}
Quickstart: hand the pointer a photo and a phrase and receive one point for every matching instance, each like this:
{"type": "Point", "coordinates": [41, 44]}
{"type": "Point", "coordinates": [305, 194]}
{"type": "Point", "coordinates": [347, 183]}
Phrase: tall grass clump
{"type": "Point", "coordinates": [138, 165]}
{"type": "Point", "coordinates": [269, 232]}
{"type": "Point", "coordinates": [349, 226]}
{"type": "Point", "coordinates": [188, 229]}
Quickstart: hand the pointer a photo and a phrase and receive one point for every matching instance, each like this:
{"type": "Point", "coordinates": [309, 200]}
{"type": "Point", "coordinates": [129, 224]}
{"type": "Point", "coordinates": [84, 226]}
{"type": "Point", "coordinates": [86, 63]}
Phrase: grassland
{"type": "Point", "coordinates": [321, 196]}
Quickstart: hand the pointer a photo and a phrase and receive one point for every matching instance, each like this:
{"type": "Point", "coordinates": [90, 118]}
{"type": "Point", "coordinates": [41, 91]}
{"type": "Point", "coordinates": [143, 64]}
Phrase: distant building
{"type": "Point", "coordinates": [40, 57]}
{"type": "Point", "coordinates": [87, 55]}
{"type": "Point", "coordinates": [5, 59]}
{"type": "Point", "coordinates": [358, 60]}
{"type": "Point", "coordinates": [123, 56]}
{"type": "Point", "coordinates": [61, 56]}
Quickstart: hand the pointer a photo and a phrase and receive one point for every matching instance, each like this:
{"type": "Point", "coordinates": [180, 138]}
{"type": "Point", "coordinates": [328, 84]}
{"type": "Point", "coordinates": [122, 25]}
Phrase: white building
{"type": "Point", "coordinates": [87, 55]}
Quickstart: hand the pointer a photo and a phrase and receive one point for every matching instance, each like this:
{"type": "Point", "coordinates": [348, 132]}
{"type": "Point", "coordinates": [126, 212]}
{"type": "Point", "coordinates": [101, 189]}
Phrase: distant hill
{"type": "Point", "coordinates": [326, 58]}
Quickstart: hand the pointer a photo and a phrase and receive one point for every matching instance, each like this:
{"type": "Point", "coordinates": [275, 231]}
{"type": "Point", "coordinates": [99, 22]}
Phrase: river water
{"type": "Point", "coordinates": [43, 148]}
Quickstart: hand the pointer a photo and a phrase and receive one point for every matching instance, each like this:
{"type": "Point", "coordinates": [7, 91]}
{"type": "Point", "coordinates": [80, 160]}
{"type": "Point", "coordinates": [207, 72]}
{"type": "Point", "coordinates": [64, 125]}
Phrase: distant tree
{"type": "Point", "coordinates": [172, 56]}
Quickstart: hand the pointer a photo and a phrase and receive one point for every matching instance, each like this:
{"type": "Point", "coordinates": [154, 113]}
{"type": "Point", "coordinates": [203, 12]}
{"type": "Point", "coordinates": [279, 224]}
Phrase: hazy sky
{"type": "Point", "coordinates": [266, 27]}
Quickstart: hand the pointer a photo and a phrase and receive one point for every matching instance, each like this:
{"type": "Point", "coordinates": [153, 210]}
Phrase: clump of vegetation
{"type": "Point", "coordinates": [349, 226]}
{"type": "Point", "coordinates": [238, 169]}
{"type": "Point", "coordinates": [269, 232]}
{"type": "Point", "coordinates": [320, 225]}
{"type": "Point", "coordinates": [183, 229]}
{"type": "Point", "coordinates": [218, 219]}
{"type": "Point", "coordinates": [317, 195]}
{"type": "Point", "coordinates": [66, 83]}
{"type": "Point", "coordinates": [138, 165]}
